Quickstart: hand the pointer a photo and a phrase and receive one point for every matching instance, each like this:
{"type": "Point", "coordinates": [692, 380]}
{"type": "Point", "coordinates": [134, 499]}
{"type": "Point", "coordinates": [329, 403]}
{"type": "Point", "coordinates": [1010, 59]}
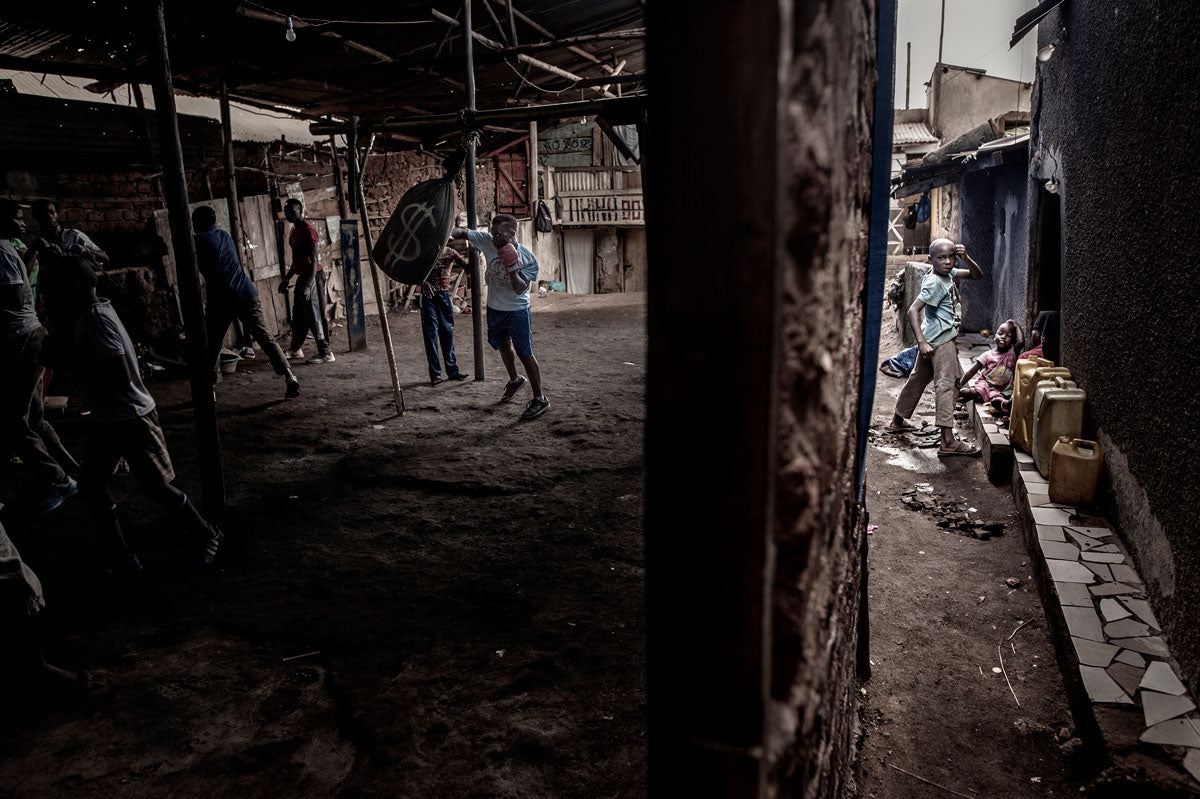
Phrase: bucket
{"type": "Point", "coordinates": [1057, 411]}
{"type": "Point", "coordinates": [1030, 372]}
{"type": "Point", "coordinates": [1075, 467]}
{"type": "Point", "coordinates": [229, 363]}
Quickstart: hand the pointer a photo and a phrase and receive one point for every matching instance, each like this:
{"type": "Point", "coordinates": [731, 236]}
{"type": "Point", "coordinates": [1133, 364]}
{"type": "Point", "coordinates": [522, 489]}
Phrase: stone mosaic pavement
{"type": "Point", "coordinates": [1119, 651]}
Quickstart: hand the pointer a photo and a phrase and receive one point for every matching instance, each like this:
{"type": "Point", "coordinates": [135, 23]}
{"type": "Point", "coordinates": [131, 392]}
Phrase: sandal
{"type": "Point", "coordinates": [960, 448]}
{"type": "Point", "coordinates": [907, 427]}
{"type": "Point", "coordinates": [890, 372]}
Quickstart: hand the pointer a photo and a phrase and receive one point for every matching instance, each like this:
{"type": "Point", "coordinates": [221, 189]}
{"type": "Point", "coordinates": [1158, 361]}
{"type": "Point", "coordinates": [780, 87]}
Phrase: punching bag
{"type": "Point", "coordinates": [417, 231]}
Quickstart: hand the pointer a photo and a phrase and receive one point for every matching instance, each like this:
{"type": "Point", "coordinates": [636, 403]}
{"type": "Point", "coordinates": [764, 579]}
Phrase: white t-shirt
{"type": "Point", "coordinates": [99, 335]}
{"type": "Point", "coordinates": [70, 237]}
{"type": "Point", "coordinates": [501, 296]}
{"type": "Point", "coordinates": [16, 324]}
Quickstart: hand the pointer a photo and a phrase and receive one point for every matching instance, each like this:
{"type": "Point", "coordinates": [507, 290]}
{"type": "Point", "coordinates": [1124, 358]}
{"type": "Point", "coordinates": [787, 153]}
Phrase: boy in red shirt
{"type": "Point", "coordinates": [308, 301]}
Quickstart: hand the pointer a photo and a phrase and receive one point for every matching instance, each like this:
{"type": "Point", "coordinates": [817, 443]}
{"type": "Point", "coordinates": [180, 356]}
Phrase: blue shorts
{"type": "Point", "coordinates": [515, 325]}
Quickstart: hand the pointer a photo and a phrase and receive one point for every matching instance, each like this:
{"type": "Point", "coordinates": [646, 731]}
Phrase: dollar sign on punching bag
{"type": "Point", "coordinates": [417, 231]}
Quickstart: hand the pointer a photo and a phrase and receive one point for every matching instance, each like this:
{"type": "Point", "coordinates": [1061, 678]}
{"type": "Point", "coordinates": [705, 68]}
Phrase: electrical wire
{"type": "Point", "coordinates": [320, 21]}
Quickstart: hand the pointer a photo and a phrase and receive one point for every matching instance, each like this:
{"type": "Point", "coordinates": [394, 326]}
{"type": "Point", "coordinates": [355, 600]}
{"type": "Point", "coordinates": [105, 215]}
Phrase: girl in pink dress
{"type": "Point", "coordinates": [996, 369]}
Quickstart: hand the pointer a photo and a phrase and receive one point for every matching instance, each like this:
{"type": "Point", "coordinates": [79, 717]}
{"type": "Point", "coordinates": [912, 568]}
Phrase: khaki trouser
{"type": "Point", "coordinates": [942, 368]}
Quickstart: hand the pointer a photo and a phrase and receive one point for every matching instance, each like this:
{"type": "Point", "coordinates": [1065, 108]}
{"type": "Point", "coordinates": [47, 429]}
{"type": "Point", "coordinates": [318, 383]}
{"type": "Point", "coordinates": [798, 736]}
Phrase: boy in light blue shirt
{"type": "Point", "coordinates": [511, 270]}
{"type": "Point", "coordinates": [935, 317]}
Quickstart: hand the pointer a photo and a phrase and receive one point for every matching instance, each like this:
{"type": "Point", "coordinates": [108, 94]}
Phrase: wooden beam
{"type": "Point", "coordinates": [97, 72]}
{"type": "Point", "coordinates": [531, 47]}
{"type": "Point", "coordinates": [522, 57]}
{"type": "Point", "coordinates": [616, 139]}
{"type": "Point", "coordinates": [618, 110]}
{"type": "Point", "coordinates": [495, 21]}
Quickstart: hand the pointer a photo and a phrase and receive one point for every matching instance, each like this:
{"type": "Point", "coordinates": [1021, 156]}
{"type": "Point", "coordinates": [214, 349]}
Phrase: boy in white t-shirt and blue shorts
{"type": "Point", "coordinates": [511, 270]}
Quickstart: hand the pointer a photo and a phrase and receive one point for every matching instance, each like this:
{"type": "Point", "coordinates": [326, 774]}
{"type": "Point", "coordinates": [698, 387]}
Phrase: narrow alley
{"type": "Point", "coordinates": [965, 691]}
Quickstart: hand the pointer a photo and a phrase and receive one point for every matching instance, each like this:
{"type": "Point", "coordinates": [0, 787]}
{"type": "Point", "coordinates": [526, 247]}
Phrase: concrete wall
{"type": "Point", "coordinates": [1110, 109]}
{"type": "Point", "coordinates": [969, 99]}
{"type": "Point", "coordinates": [753, 589]}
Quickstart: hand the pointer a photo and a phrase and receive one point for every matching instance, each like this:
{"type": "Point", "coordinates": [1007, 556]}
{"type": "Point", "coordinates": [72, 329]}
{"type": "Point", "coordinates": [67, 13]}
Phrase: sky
{"type": "Point", "coordinates": [977, 34]}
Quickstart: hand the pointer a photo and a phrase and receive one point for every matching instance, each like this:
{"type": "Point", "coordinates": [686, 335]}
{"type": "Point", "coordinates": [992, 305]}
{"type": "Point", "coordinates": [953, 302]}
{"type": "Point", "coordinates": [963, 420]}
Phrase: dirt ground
{"type": "Point", "coordinates": [939, 608]}
{"type": "Point", "coordinates": [444, 604]}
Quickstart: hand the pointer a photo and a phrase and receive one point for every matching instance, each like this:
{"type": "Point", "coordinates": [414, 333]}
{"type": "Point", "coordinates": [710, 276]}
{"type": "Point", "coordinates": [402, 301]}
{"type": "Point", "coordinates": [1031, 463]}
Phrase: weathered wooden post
{"type": "Point", "coordinates": [384, 327]}
{"type": "Point", "coordinates": [235, 215]}
{"type": "Point", "coordinates": [472, 213]}
{"type": "Point", "coordinates": [208, 441]}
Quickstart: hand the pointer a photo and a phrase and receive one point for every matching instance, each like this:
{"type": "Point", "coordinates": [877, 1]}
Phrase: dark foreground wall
{"type": "Point", "coordinates": [757, 178]}
{"type": "Point", "coordinates": [1117, 120]}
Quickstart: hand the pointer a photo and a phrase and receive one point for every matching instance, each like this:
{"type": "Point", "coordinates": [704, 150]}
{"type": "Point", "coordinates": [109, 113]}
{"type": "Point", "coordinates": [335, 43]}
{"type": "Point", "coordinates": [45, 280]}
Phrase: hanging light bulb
{"type": "Point", "coordinates": [1052, 185]}
{"type": "Point", "coordinates": [290, 33]}
{"type": "Point", "coordinates": [1046, 53]}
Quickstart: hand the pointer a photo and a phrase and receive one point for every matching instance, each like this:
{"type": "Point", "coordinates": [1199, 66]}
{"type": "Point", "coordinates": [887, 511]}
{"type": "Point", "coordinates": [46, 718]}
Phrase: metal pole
{"type": "Point", "coordinates": [908, 78]}
{"type": "Point", "coordinates": [472, 213]}
{"type": "Point", "coordinates": [235, 215]}
{"type": "Point", "coordinates": [397, 392]}
{"type": "Point", "coordinates": [937, 77]}
{"type": "Point", "coordinates": [208, 441]}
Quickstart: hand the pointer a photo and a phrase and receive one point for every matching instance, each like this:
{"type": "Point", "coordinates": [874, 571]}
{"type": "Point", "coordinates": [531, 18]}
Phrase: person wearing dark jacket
{"type": "Point", "coordinates": [231, 296]}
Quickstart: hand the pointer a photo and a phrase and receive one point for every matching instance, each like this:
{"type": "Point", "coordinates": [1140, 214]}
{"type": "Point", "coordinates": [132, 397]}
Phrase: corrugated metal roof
{"type": "Point", "coordinates": [249, 124]}
{"type": "Point", "coordinates": [912, 133]}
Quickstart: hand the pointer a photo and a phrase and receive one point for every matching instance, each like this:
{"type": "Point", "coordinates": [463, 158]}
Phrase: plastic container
{"type": "Point", "coordinates": [1057, 411]}
{"type": "Point", "coordinates": [229, 363]}
{"type": "Point", "coordinates": [1021, 417]}
{"type": "Point", "coordinates": [1075, 467]}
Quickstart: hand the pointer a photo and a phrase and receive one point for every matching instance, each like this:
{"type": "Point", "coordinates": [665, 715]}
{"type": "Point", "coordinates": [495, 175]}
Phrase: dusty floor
{"type": "Point", "coordinates": [939, 607]}
{"type": "Point", "coordinates": [470, 589]}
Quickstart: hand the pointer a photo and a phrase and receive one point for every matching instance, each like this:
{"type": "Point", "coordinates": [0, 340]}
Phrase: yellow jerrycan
{"type": "Point", "coordinates": [1057, 411]}
{"type": "Point", "coordinates": [1029, 374]}
{"type": "Point", "coordinates": [1075, 467]}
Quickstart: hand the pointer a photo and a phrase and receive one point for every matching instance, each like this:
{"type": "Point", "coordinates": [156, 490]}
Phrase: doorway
{"type": "Point", "coordinates": [579, 260]}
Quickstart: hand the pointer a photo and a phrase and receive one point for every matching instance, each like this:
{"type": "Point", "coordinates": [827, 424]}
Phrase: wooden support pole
{"type": "Point", "coordinates": [534, 195]}
{"type": "Point", "coordinates": [235, 212]}
{"type": "Point", "coordinates": [208, 443]}
{"type": "Point", "coordinates": [472, 211]}
{"type": "Point", "coordinates": [385, 328]}
{"type": "Point", "coordinates": [352, 163]}
{"type": "Point", "coordinates": [343, 208]}
{"type": "Point", "coordinates": [141, 107]}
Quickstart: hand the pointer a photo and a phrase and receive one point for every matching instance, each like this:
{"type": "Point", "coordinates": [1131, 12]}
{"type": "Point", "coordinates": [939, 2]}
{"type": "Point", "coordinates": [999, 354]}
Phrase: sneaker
{"type": "Point", "coordinates": [56, 494]}
{"type": "Point", "coordinates": [512, 388]}
{"type": "Point", "coordinates": [212, 543]}
{"type": "Point", "coordinates": [295, 355]}
{"type": "Point", "coordinates": [326, 358]}
{"type": "Point", "coordinates": [293, 387]}
{"type": "Point", "coordinates": [247, 353]}
{"type": "Point", "coordinates": [457, 377]}
{"type": "Point", "coordinates": [536, 407]}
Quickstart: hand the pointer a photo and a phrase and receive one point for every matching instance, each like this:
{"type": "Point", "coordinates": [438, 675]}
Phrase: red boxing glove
{"type": "Point", "coordinates": [508, 255]}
